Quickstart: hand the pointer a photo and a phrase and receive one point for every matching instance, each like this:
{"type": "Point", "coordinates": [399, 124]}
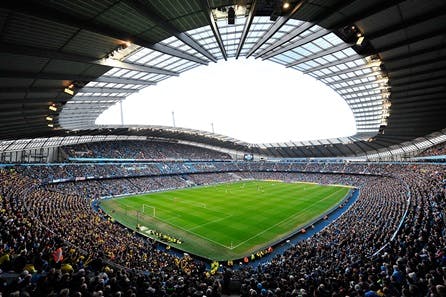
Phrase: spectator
{"type": "Point", "coordinates": [95, 257]}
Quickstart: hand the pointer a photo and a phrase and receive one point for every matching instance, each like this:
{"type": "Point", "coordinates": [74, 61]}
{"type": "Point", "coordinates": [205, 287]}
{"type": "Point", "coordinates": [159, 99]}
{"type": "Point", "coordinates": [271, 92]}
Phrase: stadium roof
{"type": "Point", "coordinates": [385, 58]}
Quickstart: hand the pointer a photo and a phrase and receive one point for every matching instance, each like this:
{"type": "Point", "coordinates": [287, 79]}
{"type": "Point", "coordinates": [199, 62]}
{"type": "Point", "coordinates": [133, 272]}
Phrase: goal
{"type": "Point", "coordinates": [149, 210]}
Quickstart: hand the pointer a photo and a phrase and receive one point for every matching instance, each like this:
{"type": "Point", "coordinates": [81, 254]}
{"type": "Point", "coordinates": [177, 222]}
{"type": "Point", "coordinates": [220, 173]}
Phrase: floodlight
{"type": "Point", "coordinates": [69, 91]}
{"type": "Point", "coordinates": [374, 63]}
{"type": "Point", "coordinates": [231, 16]}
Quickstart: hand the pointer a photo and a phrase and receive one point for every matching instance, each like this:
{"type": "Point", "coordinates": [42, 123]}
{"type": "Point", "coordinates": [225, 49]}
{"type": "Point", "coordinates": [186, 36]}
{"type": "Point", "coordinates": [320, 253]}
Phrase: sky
{"type": "Point", "coordinates": [247, 99]}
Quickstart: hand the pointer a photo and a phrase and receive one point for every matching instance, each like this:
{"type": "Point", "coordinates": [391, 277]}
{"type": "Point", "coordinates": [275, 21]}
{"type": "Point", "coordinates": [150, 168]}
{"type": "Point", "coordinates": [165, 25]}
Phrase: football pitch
{"type": "Point", "coordinates": [225, 221]}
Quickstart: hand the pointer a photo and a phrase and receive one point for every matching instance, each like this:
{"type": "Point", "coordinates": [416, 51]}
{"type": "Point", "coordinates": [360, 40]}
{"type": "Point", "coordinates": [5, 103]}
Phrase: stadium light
{"type": "Point", "coordinates": [383, 80]}
{"type": "Point", "coordinates": [52, 107]}
{"type": "Point", "coordinates": [374, 63]}
{"type": "Point", "coordinates": [69, 91]}
{"type": "Point", "coordinates": [231, 16]}
{"type": "Point", "coordinates": [49, 118]}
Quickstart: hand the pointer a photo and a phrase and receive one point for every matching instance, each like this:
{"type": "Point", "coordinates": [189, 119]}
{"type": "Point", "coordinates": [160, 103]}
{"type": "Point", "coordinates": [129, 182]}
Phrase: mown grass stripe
{"type": "Point", "coordinates": [237, 219]}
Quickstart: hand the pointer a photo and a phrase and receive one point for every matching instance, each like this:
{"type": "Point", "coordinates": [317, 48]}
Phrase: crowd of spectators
{"type": "Point", "coordinates": [142, 149]}
{"type": "Point", "coordinates": [52, 242]}
{"type": "Point", "coordinates": [437, 150]}
{"type": "Point", "coordinates": [83, 171]}
{"type": "Point", "coordinates": [68, 171]}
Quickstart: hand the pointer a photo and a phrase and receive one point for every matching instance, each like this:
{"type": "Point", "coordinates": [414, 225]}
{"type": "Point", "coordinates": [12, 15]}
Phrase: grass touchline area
{"type": "Point", "coordinates": [225, 221]}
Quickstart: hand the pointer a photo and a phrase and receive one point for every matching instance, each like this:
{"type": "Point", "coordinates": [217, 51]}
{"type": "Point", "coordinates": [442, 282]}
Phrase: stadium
{"type": "Point", "coordinates": [91, 209]}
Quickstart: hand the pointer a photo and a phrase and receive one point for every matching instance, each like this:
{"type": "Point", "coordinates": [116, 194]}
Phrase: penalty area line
{"type": "Point", "coordinates": [188, 231]}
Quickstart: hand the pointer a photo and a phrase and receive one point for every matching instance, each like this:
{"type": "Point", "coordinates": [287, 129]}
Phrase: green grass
{"type": "Point", "coordinates": [227, 221]}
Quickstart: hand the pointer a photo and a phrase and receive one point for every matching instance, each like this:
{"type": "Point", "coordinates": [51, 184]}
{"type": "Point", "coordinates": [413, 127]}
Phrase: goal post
{"type": "Point", "coordinates": [149, 209]}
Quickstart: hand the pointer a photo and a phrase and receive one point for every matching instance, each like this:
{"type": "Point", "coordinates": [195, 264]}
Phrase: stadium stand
{"type": "Point", "coordinates": [54, 243]}
{"type": "Point", "coordinates": [437, 150]}
{"type": "Point", "coordinates": [62, 63]}
{"type": "Point", "coordinates": [147, 150]}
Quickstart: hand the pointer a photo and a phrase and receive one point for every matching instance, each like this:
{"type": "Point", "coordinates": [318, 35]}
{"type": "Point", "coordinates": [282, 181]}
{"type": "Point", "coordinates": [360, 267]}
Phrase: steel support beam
{"type": "Point", "coordinates": [208, 12]}
{"type": "Point", "coordinates": [96, 98]}
{"type": "Point", "coordinates": [343, 145]}
{"type": "Point", "coordinates": [352, 146]}
{"type": "Point", "coordinates": [295, 44]}
{"type": "Point", "coordinates": [365, 119]}
{"type": "Point", "coordinates": [286, 38]}
{"type": "Point", "coordinates": [369, 88]}
{"type": "Point", "coordinates": [31, 90]}
{"type": "Point", "coordinates": [358, 91]}
{"type": "Point", "coordinates": [301, 151]}
{"type": "Point", "coordinates": [274, 28]}
{"type": "Point", "coordinates": [361, 96]}
{"type": "Point", "coordinates": [366, 75]}
{"type": "Point", "coordinates": [246, 28]}
{"type": "Point", "coordinates": [136, 67]}
{"type": "Point", "coordinates": [57, 55]}
{"type": "Point", "coordinates": [148, 11]}
{"type": "Point", "coordinates": [359, 104]}
{"type": "Point", "coordinates": [25, 101]}
{"type": "Point", "coordinates": [35, 8]}
{"type": "Point", "coordinates": [307, 25]}
{"type": "Point", "coordinates": [335, 148]}
{"type": "Point", "coordinates": [348, 70]}
{"type": "Point", "coordinates": [125, 81]}
{"type": "Point", "coordinates": [74, 77]}
{"type": "Point", "coordinates": [322, 53]}
{"type": "Point", "coordinates": [334, 63]}
{"type": "Point", "coordinates": [317, 148]}
{"type": "Point", "coordinates": [359, 109]}
{"type": "Point", "coordinates": [364, 146]}
{"type": "Point", "coordinates": [83, 107]}
{"type": "Point", "coordinates": [105, 90]}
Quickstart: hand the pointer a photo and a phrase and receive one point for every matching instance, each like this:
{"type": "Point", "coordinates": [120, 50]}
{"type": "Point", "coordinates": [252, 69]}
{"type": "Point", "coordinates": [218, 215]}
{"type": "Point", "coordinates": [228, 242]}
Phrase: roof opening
{"type": "Point", "coordinates": [249, 100]}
